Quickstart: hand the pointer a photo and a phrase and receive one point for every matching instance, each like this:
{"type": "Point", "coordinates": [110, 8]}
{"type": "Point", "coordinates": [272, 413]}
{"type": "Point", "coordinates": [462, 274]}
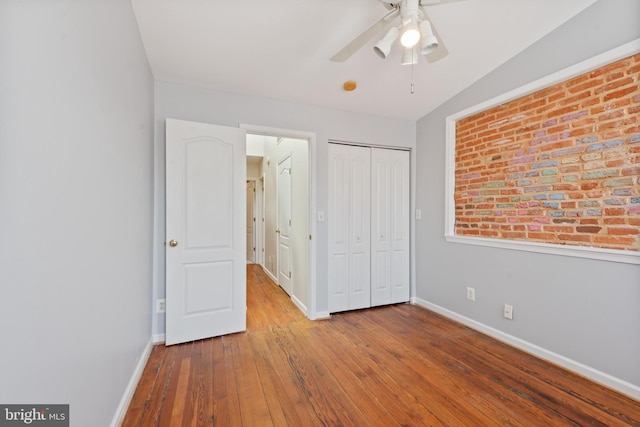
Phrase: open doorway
{"type": "Point", "coordinates": [279, 163]}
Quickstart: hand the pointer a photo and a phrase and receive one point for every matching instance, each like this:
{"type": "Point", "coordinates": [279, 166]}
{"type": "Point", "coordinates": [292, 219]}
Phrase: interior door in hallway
{"type": "Point", "coordinates": [284, 224]}
{"type": "Point", "coordinates": [205, 231]}
{"type": "Point", "coordinates": [251, 222]}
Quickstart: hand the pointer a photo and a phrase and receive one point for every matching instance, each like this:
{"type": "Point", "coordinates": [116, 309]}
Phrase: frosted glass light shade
{"type": "Point", "coordinates": [410, 34]}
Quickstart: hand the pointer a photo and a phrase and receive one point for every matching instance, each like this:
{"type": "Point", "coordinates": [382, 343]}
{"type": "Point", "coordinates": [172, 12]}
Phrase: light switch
{"type": "Point", "coordinates": [320, 216]}
{"type": "Point", "coordinates": [418, 214]}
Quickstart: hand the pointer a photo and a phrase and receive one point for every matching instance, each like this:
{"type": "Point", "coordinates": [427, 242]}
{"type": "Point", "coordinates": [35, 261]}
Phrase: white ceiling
{"type": "Point", "coordinates": [281, 48]}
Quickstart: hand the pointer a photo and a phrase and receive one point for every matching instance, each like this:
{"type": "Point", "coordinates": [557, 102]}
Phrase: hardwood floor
{"type": "Point", "coordinates": [391, 366]}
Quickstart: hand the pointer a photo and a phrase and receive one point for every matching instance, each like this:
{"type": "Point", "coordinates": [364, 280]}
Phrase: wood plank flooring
{"type": "Point", "coordinates": [399, 365]}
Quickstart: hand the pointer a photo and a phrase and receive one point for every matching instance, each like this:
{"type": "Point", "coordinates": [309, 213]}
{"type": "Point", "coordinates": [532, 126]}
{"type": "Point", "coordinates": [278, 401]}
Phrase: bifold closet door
{"type": "Point", "coordinates": [349, 227]}
{"type": "Point", "coordinates": [389, 226]}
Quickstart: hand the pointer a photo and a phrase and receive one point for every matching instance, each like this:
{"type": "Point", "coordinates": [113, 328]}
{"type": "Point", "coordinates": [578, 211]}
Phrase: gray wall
{"type": "Point", "coordinates": [202, 105]}
{"type": "Point", "coordinates": [585, 310]}
{"type": "Point", "coordinates": [76, 114]}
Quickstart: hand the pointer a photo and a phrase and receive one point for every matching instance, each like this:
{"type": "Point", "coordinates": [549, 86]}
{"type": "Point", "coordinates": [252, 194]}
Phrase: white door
{"type": "Point", "coordinates": [205, 231]}
{"type": "Point", "coordinates": [389, 226]}
{"type": "Point", "coordinates": [349, 233]}
{"type": "Point", "coordinates": [284, 224]}
{"type": "Point", "coordinates": [251, 222]}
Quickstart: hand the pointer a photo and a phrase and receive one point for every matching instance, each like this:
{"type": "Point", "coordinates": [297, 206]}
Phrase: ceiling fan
{"type": "Point", "coordinates": [416, 33]}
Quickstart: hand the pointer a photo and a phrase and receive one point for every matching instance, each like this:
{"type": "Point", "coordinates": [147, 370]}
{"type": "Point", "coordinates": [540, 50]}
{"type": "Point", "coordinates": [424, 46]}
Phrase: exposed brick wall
{"type": "Point", "coordinates": [560, 165]}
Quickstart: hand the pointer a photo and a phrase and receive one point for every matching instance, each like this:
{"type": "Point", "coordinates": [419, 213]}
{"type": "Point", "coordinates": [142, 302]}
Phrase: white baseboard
{"type": "Point", "coordinates": [300, 305]}
{"type": "Point", "coordinates": [592, 374]}
{"type": "Point", "coordinates": [322, 315]}
{"type": "Point", "coordinates": [271, 276]}
{"type": "Point", "coordinates": [158, 338]}
{"type": "Point", "coordinates": [131, 386]}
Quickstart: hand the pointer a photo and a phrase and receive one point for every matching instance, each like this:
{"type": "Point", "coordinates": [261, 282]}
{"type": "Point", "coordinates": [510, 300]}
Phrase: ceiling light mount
{"type": "Point", "coordinates": [349, 85]}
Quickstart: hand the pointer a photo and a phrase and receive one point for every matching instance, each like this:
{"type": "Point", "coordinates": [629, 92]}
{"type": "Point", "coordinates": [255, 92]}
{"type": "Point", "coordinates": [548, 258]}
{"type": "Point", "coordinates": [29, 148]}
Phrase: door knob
{"type": "Point", "coordinates": [277, 230]}
{"type": "Point", "coordinates": [173, 243]}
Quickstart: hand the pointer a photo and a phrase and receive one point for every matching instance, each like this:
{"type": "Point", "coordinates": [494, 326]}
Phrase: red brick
{"type": "Point", "coordinates": [514, 235]}
{"type": "Point", "coordinates": [588, 229]}
{"type": "Point", "coordinates": [575, 237]}
{"type": "Point", "coordinates": [583, 83]}
{"type": "Point", "coordinates": [631, 171]}
{"type": "Point", "coordinates": [489, 141]}
{"type": "Point", "coordinates": [611, 134]}
{"type": "Point", "coordinates": [619, 93]}
{"type": "Point", "coordinates": [623, 231]}
{"type": "Point", "coordinates": [588, 185]}
{"type": "Point", "coordinates": [558, 229]}
{"type": "Point", "coordinates": [616, 84]}
{"type": "Point", "coordinates": [617, 240]}
{"type": "Point", "coordinates": [614, 211]}
{"type": "Point", "coordinates": [541, 236]}
{"type": "Point", "coordinates": [614, 221]}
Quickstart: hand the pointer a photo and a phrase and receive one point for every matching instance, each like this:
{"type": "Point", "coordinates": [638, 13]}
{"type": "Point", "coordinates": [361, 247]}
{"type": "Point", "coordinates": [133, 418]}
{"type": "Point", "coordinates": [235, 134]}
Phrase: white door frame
{"type": "Point", "coordinates": [310, 137]}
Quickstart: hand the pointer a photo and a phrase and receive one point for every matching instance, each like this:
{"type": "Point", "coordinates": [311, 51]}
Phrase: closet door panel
{"type": "Point", "coordinates": [380, 227]}
{"type": "Point", "coordinates": [349, 228]}
{"type": "Point", "coordinates": [338, 217]}
{"type": "Point", "coordinates": [359, 225]}
{"type": "Point", "coordinates": [390, 226]}
{"type": "Point", "coordinates": [400, 226]}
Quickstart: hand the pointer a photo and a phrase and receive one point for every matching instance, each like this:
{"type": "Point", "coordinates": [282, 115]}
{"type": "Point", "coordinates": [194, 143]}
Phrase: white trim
{"type": "Point", "coordinates": [311, 137]}
{"type": "Point", "coordinates": [158, 338]}
{"type": "Point", "coordinates": [450, 166]}
{"type": "Point", "coordinates": [588, 372]}
{"type": "Point", "coordinates": [121, 411]}
{"type": "Point", "coordinates": [322, 315]}
{"type": "Point", "coordinates": [271, 276]}
{"type": "Point", "coordinates": [612, 255]}
{"type": "Point", "coordinates": [300, 305]}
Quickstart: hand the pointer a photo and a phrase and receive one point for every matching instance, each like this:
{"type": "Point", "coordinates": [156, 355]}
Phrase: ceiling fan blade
{"type": "Point", "coordinates": [375, 28]}
{"type": "Point", "coordinates": [436, 2]}
{"type": "Point", "coordinates": [441, 51]}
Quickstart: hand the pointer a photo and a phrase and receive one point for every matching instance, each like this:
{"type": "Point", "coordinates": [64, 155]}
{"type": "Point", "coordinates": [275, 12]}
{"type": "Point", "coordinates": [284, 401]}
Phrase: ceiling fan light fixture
{"type": "Point", "coordinates": [409, 56]}
{"type": "Point", "coordinates": [429, 41]}
{"type": "Point", "coordinates": [383, 47]}
{"type": "Point", "coordinates": [410, 33]}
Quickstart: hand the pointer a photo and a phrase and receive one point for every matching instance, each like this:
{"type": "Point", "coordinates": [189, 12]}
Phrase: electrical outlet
{"type": "Point", "coordinates": [508, 311]}
{"type": "Point", "coordinates": [471, 294]}
{"type": "Point", "coordinates": [160, 306]}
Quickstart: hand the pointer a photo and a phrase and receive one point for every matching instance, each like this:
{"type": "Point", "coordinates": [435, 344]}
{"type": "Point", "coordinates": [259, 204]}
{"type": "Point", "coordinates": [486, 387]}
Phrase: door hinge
{"type": "Point", "coordinates": [289, 275]}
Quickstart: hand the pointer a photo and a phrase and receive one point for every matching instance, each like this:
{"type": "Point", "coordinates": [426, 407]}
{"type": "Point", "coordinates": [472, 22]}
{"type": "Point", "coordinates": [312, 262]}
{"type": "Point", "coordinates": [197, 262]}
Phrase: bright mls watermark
{"type": "Point", "coordinates": [34, 415]}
